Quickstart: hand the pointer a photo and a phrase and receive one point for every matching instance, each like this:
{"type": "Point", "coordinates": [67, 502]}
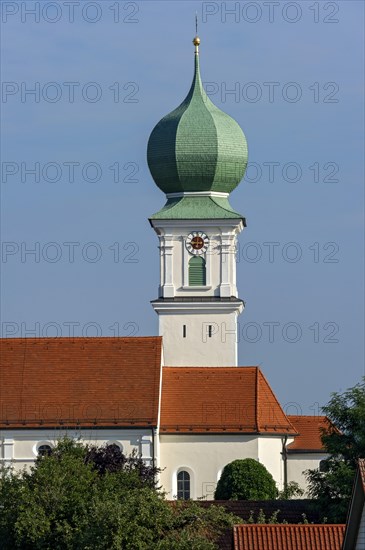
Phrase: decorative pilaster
{"type": "Point", "coordinates": [227, 286]}
{"type": "Point", "coordinates": [146, 450]}
{"type": "Point", "coordinates": [167, 251]}
{"type": "Point", "coordinates": [8, 450]}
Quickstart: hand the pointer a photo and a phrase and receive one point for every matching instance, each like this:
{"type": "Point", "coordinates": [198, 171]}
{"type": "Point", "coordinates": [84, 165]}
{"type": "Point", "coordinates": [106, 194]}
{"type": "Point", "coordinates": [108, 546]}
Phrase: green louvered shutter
{"type": "Point", "coordinates": [197, 271]}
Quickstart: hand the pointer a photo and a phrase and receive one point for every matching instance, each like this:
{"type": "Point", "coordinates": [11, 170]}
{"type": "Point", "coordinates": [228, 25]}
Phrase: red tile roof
{"type": "Point", "coordinates": [288, 537]}
{"type": "Point", "coordinates": [361, 465]}
{"type": "Point", "coordinates": [309, 429]}
{"type": "Point", "coordinates": [86, 381]}
{"type": "Point", "coordinates": [220, 399]}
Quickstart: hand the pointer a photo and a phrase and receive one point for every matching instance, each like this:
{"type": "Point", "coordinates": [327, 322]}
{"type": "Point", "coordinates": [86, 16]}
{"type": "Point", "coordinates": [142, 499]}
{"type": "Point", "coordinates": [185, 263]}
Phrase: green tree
{"type": "Point", "coordinates": [292, 490]}
{"type": "Point", "coordinates": [82, 498]}
{"type": "Point", "coordinates": [245, 479]}
{"type": "Point", "coordinates": [344, 440]}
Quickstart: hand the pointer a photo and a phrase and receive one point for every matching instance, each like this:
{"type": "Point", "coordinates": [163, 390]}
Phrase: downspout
{"type": "Point", "coordinates": [156, 444]}
{"type": "Point", "coordinates": [153, 447]}
{"type": "Point", "coordinates": [155, 455]}
{"type": "Point", "coordinates": [284, 454]}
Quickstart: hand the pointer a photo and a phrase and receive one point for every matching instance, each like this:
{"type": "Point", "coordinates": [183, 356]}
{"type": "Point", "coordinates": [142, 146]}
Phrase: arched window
{"type": "Point", "coordinates": [44, 450]}
{"type": "Point", "coordinates": [323, 465]}
{"type": "Point", "coordinates": [114, 447]}
{"type": "Point", "coordinates": [197, 271]}
{"type": "Point", "coordinates": [183, 485]}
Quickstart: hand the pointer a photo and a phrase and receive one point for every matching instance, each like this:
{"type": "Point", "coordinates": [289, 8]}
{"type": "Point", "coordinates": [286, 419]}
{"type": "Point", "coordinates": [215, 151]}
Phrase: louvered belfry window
{"type": "Point", "coordinates": [197, 275]}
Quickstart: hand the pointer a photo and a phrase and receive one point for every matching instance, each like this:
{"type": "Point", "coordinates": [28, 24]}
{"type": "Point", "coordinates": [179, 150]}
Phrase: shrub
{"type": "Point", "coordinates": [246, 479]}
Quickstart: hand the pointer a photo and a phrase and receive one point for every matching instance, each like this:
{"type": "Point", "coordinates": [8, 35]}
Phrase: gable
{"type": "Point", "coordinates": [309, 429]}
{"type": "Point", "coordinates": [220, 399]}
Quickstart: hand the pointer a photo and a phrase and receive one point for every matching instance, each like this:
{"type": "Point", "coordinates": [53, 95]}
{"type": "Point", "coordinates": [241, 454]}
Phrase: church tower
{"type": "Point", "coordinates": [197, 155]}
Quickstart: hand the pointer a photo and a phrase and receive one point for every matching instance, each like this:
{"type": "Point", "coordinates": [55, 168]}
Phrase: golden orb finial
{"type": "Point", "coordinates": [196, 43]}
{"type": "Point", "coordinates": [196, 40]}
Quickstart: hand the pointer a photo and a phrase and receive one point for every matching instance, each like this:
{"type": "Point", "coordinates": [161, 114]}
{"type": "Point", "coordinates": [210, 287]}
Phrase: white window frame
{"type": "Point", "coordinates": [192, 481]}
{"type": "Point", "coordinates": [39, 444]}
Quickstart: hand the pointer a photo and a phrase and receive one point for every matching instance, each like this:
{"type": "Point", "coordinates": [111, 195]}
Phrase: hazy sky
{"type": "Point", "coordinates": [102, 74]}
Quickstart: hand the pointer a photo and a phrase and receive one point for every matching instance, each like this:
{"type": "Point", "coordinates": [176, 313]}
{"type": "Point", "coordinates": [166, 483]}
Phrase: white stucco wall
{"type": "Point", "coordinates": [270, 455]}
{"type": "Point", "coordinates": [19, 447]}
{"type": "Point", "coordinates": [197, 348]}
{"type": "Point", "coordinates": [299, 462]}
{"type": "Point", "coordinates": [204, 457]}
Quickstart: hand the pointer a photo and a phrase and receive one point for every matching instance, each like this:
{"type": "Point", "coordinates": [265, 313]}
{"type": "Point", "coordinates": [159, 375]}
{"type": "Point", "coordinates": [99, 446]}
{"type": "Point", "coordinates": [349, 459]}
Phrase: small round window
{"type": "Point", "coordinates": [44, 450]}
{"type": "Point", "coordinates": [114, 446]}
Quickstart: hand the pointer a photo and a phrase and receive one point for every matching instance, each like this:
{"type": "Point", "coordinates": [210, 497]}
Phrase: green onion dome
{"type": "Point", "coordinates": [197, 147]}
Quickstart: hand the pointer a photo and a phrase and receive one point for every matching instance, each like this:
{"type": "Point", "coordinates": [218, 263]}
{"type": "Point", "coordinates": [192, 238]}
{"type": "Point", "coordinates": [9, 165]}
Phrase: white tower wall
{"type": "Point", "coordinates": [198, 323]}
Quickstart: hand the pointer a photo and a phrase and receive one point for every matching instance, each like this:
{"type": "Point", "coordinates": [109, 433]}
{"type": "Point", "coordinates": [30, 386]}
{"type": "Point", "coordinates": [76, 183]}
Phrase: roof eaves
{"type": "Point", "coordinates": [159, 396]}
{"type": "Point", "coordinates": [298, 451]}
{"type": "Point", "coordinates": [64, 425]}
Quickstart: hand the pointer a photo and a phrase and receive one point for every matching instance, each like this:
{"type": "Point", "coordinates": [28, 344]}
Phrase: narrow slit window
{"type": "Point", "coordinates": [184, 331]}
{"type": "Point", "coordinates": [210, 331]}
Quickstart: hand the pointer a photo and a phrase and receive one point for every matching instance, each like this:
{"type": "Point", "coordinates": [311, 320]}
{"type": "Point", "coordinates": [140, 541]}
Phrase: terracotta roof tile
{"type": "Point", "coordinates": [361, 464]}
{"type": "Point", "coordinates": [79, 381]}
{"type": "Point", "coordinates": [220, 399]}
{"type": "Point", "coordinates": [309, 429]}
{"type": "Point", "coordinates": [288, 537]}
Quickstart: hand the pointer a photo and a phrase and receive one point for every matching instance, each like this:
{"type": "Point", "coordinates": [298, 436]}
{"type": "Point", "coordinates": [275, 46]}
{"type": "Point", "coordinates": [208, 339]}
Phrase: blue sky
{"type": "Point", "coordinates": [312, 50]}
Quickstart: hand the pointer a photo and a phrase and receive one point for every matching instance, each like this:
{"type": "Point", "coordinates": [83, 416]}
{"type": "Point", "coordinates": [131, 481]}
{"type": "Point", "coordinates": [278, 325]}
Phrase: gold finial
{"type": "Point", "coordinates": [196, 40]}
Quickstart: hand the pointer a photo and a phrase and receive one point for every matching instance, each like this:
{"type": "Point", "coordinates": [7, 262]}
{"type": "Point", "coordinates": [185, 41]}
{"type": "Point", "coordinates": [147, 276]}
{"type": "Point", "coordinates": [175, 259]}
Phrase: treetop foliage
{"type": "Point", "coordinates": [80, 497]}
{"type": "Point", "coordinates": [245, 479]}
{"type": "Point", "coordinates": [344, 441]}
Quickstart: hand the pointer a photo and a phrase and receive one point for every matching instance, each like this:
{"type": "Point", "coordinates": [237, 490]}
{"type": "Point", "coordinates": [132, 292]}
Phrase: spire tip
{"type": "Point", "coordinates": [196, 40]}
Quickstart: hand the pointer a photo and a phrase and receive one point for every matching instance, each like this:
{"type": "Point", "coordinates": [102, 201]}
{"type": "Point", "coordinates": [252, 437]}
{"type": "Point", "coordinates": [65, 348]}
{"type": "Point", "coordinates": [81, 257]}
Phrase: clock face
{"type": "Point", "coordinates": [197, 242]}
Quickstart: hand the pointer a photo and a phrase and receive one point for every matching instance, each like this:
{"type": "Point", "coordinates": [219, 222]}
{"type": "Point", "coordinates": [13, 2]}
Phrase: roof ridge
{"type": "Point", "coordinates": [230, 210]}
{"type": "Point", "coordinates": [257, 398]}
{"type": "Point", "coordinates": [268, 386]}
{"type": "Point", "coordinates": [22, 379]}
{"type": "Point", "coordinates": [307, 416]}
{"type": "Point", "coordinates": [77, 338]}
{"type": "Point", "coordinates": [212, 367]}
